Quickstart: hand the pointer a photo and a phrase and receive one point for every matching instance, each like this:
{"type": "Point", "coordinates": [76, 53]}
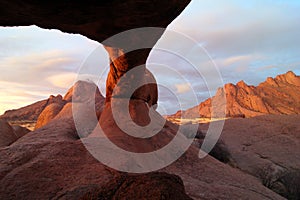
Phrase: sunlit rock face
{"type": "Point", "coordinates": [279, 95]}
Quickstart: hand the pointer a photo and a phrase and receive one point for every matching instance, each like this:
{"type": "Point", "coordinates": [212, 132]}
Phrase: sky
{"type": "Point", "coordinates": [237, 40]}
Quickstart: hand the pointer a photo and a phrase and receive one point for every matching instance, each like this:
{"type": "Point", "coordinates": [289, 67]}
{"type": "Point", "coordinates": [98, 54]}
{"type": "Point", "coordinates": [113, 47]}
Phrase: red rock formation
{"type": "Point", "coordinates": [52, 163]}
{"type": "Point", "coordinates": [29, 113]}
{"type": "Point", "coordinates": [77, 97]}
{"type": "Point", "coordinates": [280, 95]}
{"type": "Point", "coordinates": [7, 134]}
{"type": "Point", "coordinates": [83, 92]}
{"type": "Point", "coordinates": [165, 185]}
{"type": "Point", "coordinates": [20, 131]}
{"type": "Point", "coordinates": [48, 114]}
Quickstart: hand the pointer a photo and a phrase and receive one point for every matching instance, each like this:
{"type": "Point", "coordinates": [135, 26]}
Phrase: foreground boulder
{"type": "Point", "coordinates": [266, 147]}
{"type": "Point", "coordinates": [52, 162]}
{"type": "Point", "coordinates": [20, 131]}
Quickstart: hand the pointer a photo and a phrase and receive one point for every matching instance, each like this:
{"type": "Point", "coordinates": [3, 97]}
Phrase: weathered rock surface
{"type": "Point", "coordinates": [84, 92]}
{"type": "Point", "coordinates": [51, 110]}
{"type": "Point", "coordinates": [264, 146]}
{"type": "Point", "coordinates": [87, 93]}
{"type": "Point", "coordinates": [52, 162]}
{"type": "Point", "coordinates": [83, 95]}
{"type": "Point", "coordinates": [141, 187]}
{"type": "Point", "coordinates": [279, 95]}
{"type": "Point", "coordinates": [7, 134]}
{"type": "Point", "coordinates": [20, 131]}
{"type": "Point", "coordinates": [65, 170]}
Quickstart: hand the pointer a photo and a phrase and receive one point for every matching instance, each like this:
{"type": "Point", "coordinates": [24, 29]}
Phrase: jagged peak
{"type": "Point", "coordinates": [229, 85]}
{"type": "Point", "coordinates": [57, 96]}
{"type": "Point", "coordinates": [290, 73]}
{"type": "Point", "coordinates": [287, 74]}
{"type": "Point", "coordinates": [270, 81]}
{"type": "Point", "coordinates": [242, 84]}
{"type": "Point", "coordinates": [288, 77]}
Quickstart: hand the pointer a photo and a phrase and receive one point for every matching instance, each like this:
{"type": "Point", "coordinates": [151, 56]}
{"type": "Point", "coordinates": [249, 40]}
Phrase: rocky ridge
{"type": "Point", "coordinates": [279, 95]}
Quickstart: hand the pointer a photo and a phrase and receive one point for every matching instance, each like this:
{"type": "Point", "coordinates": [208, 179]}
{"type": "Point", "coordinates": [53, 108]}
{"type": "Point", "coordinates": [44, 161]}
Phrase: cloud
{"type": "Point", "coordinates": [35, 63]}
{"type": "Point", "coordinates": [33, 68]}
{"type": "Point", "coordinates": [15, 95]}
{"type": "Point", "coordinates": [62, 80]}
{"type": "Point", "coordinates": [183, 88]}
{"type": "Point", "coordinates": [237, 59]}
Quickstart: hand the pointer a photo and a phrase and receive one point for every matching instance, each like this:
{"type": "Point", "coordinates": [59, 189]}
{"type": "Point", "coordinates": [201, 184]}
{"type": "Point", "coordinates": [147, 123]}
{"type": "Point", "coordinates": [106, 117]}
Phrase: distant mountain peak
{"type": "Point", "coordinates": [279, 95]}
{"type": "Point", "coordinates": [241, 83]}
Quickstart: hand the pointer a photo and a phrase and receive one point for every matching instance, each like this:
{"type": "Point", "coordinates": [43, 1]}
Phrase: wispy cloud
{"type": "Point", "coordinates": [183, 88]}
{"type": "Point", "coordinates": [63, 79]}
{"type": "Point", "coordinates": [35, 63]}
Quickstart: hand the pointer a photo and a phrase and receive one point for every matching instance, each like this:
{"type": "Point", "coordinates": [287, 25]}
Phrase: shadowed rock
{"type": "Point", "coordinates": [20, 131]}
{"type": "Point", "coordinates": [7, 134]}
{"type": "Point", "coordinates": [264, 146]}
{"type": "Point", "coordinates": [141, 187]}
{"type": "Point", "coordinates": [98, 20]}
